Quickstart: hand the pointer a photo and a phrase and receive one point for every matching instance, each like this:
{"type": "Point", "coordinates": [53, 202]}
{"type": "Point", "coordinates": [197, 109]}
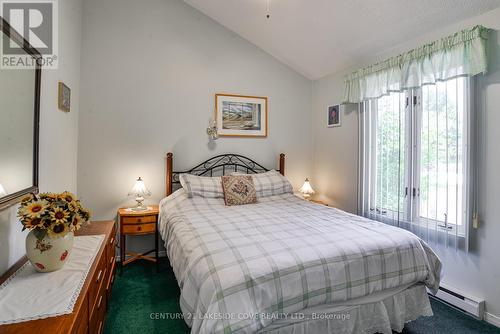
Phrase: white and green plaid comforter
{"type": "Point", "coordinates": [237, 265]}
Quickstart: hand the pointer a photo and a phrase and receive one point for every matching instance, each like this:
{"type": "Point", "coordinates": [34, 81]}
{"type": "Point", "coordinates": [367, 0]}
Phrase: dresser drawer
{"type": "Point", "coordinates": [82, 328]}
{"type": "Point", "coordinates": [139, 228]}
{"type": "Point", "coordinates": [111, 248]}
{"type": "Point", "coordinates": [96, 323]}
{"type": "Point", "coordinates": [138, 220]}
{"type": "Point", "coordinates": [110, 261]}
{"type": "Point", "coordinates": [112, 237]}
{"type": "Point", "coordinates": [97, 279]}
{"type": "Point", "coordinates": [111, 279]}
{"type": "Point", "coordinates": [82, 319]}
{"type": "Point", "coordinates": [111, 254]}
{"type": "Point", "coordinates": [109, 272]}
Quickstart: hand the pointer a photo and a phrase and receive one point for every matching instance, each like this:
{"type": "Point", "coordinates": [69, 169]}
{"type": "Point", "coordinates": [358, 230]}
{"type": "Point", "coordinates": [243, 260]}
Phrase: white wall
{"type": "Point", "coordinates": [335, 149]}
{"type": "Point", "coordinates": [149, 76]}
{"type": "Point", "coordinates": [478, 272]}
{"type": "Point", "coordinates": [58, 130]}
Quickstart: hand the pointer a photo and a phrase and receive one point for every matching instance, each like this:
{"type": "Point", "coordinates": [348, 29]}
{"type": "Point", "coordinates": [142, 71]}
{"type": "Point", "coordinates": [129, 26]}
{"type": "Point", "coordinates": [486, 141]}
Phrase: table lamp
{"type": "Point", "coordinates": [139, 191]}
{"type": "Point", "coordinates": [306, 190]}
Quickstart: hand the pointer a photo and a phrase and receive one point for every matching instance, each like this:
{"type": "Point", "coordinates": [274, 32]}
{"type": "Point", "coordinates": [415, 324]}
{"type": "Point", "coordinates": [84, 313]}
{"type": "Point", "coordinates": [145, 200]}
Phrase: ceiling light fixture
{"type": "Point", "coordinates": [268, 8]}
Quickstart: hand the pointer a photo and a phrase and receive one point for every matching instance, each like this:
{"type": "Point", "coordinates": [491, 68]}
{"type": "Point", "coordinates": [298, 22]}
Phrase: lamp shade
{"type": "Point", "coordinates": [306, 188]}
{"type": "Point", "coordinates": [2, 191]}
{"type": "Point", "coordinates": [139, 189]}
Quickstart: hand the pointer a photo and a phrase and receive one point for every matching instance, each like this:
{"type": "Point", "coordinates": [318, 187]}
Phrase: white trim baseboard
{"type": "Point", "coordinates": [466, 303]}
{"type": "Point", "coordinates": [492, 319]}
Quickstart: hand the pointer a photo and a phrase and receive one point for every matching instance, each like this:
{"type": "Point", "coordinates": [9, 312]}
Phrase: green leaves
{"type": "Point", "coordinates": [39, 233]}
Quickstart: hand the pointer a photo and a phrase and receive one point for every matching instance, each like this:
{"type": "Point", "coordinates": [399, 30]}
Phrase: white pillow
{"type": "Point", "coordinates": [270, 183]}
{"type": "Point", "coordinates": [204, 186]}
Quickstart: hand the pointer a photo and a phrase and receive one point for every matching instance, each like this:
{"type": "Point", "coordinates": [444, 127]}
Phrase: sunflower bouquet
{"type": "Point", "coordinates": [52, 214]}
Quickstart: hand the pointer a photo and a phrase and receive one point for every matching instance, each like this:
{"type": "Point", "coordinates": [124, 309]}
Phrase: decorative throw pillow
{"type": "Point", "coordinates": [238, 190]}
{"type": "Point", "coordinates": [203, 186]}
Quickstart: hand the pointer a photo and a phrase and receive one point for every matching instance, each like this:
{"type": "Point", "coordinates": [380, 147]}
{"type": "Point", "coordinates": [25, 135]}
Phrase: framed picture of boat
{"type": "Point", "coordinates": [241, 115]}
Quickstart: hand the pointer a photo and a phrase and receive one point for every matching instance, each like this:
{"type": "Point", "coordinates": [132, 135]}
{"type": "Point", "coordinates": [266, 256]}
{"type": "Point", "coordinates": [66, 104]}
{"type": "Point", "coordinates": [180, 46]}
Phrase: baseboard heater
{"type": "Point", "coordinates": [469, 304]}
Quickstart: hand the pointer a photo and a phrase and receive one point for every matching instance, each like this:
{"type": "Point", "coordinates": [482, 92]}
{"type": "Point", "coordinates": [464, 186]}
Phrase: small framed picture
{"type": "Point", "coordinates": [64, 97]}
{"type": "Point", "coordinates": [333, 116]}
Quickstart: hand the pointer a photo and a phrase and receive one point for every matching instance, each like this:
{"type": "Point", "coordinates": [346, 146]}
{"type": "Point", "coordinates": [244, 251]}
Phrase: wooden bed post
{"type": "Point", "coordinates": [168, 188]}
{"type": "Point", "coordinates": [282, 164]}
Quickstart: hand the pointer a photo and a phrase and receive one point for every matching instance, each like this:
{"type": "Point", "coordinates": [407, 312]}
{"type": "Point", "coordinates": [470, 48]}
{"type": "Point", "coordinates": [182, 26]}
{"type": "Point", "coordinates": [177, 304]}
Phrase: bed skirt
{"type": "Point", "coordinates": [378, 313]}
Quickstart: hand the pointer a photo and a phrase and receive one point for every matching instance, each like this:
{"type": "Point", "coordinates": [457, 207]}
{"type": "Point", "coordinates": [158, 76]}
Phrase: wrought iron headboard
{"type": "Point", "coordinates": [220, 163]}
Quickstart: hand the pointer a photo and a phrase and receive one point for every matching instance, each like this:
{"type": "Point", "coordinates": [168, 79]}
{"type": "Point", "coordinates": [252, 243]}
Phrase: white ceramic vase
{"type": "Point", "coordinates": [48, 254]}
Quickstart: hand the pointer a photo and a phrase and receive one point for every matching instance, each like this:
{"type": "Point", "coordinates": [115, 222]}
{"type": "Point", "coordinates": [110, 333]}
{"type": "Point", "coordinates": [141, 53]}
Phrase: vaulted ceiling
{"type": "Point", "coordinates": [319, 37]}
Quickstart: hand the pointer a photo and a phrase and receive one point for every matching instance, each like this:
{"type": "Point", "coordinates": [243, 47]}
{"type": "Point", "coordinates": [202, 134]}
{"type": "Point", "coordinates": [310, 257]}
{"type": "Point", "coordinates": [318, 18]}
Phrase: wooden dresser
{"type": "Point", "coordinates": [90, 308]}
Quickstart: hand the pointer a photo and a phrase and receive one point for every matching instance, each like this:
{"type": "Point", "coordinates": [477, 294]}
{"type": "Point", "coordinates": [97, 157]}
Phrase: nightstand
{"type": "Point", "coordinates": [138, 223]}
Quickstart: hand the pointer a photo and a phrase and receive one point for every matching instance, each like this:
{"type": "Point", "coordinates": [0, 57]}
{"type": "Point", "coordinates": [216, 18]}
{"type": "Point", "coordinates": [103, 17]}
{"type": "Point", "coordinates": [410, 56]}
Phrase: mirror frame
{"type": "Point", "coordinates": [13, 198]}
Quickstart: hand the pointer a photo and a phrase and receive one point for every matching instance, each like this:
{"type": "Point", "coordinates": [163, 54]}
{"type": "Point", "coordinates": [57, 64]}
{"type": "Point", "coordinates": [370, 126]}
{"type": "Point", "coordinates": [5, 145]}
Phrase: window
{"type": "Point", "coordinates": [388, 159]}
{"type": "Point", "coordinates": [414, 158]}
{"type": "Point", "coordinates": [442, 147]}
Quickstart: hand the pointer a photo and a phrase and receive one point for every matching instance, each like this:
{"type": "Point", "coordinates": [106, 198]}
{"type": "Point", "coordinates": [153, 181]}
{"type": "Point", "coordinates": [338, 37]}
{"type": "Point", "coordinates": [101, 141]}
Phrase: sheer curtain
{"type": "Point", "coordinates": [415, 161]}
{"type": "Point", "coordinates": [383, 159]}
{"type": "Point", "coordinates": [417, 137]}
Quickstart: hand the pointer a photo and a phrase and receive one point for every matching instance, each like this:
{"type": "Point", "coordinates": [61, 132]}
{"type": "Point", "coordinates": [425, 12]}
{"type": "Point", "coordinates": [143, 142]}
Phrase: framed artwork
{"type": "Point", "coordinates": [333, 116]}
{"type": "Point", "coordinates": [240, 115]}
{"type": "Point", "coordinates": [64, 97]}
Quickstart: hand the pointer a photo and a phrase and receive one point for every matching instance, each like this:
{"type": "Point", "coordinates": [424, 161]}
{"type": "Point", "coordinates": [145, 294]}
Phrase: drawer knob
{"type": "Point", "coordinates": [99, 276]}
{"type": "Point", "coordinates": [139, 228]}
{"type": "Point", "coordinates": [139, 220]}
{"type": "Point", "coordinates": [99, 302]}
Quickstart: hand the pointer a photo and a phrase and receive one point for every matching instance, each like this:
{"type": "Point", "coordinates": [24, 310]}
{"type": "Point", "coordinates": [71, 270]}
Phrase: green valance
{"type": "Point", "coordinates": [461, 54]}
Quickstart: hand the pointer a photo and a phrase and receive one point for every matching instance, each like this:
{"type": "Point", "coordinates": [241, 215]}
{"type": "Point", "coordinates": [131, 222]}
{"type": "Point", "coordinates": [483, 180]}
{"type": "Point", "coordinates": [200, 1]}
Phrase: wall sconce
{"type": "Point", "coordinates": [212, 130]}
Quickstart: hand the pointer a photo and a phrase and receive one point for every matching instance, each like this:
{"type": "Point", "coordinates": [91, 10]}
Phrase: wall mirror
{"type": "Point", "coordinates": [19, 123]}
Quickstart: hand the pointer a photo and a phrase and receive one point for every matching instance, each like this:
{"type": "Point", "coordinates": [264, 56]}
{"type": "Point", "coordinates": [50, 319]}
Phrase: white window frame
{"type": "Point", "coordinates": [413, 121]}
{"type": "Point", "coordinates": [443, 225]}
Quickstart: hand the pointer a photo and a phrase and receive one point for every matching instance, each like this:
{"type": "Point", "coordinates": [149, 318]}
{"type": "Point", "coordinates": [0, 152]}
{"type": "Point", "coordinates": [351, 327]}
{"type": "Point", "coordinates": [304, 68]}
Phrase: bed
{"type": "Point", "coordinates": [286, 265]}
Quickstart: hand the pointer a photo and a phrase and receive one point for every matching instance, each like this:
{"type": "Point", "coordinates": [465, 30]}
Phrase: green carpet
{"type": "Point", "coordinates": [140, 293]}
